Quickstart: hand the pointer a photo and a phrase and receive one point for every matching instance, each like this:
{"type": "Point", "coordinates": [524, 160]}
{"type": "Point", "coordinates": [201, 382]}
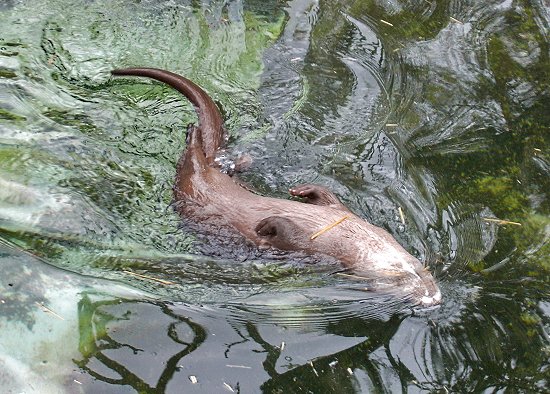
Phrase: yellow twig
{"type": "Point", "coordinates": [238, 366]}
{"type": "Point", "coordinates": [312, 367]}
{"type": "Point", "coordinates": [164, 282]}
{"type": "Point", "coordinates": [48, 310]}
{"type": "Point", "coordinates": [401, 215]}
{"type": "Point", "coordinates": [500, 221]}
{"type": "Point", "coordinates": [330, 226]}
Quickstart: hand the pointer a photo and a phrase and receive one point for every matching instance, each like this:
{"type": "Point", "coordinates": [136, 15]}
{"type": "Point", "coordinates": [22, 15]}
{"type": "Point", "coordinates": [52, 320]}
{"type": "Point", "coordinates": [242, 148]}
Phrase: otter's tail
{"type": "Point", "coordinates": [210, 119]}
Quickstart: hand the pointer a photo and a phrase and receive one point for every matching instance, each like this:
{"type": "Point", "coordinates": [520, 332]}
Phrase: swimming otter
{"type": "Point", "coordinates": [321, 226]}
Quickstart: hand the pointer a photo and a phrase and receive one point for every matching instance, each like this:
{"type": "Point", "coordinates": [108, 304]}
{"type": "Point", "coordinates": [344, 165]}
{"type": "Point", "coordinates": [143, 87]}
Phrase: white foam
{"type": "Point", "coordinates": [429, 301]}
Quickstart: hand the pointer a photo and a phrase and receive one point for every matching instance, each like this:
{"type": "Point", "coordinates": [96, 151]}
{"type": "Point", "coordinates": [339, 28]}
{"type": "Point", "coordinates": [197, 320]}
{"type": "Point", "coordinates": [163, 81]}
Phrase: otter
{"type": "Point", "coordinates": [319, 225]}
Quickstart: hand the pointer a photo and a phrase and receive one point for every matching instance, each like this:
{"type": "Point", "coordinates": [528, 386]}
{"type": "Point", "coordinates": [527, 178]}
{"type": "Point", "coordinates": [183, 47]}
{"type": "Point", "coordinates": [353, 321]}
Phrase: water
{"type": "Point", "coordinates": [435, 109]}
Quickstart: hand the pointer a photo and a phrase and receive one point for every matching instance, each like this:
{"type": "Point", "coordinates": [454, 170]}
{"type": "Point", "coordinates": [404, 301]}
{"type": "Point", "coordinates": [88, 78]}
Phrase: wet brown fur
{"type": "Point", "coordinates": [206, 195]}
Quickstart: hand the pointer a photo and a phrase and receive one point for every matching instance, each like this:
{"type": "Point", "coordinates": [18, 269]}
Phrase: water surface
{"type": "Point", "coordinates": [427, 118]}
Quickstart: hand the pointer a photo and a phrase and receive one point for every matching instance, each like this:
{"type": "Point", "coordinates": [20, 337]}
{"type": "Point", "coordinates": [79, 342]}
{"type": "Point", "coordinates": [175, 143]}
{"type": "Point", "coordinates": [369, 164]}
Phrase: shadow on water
{"type": "Point", "coordinates": [427, 118]}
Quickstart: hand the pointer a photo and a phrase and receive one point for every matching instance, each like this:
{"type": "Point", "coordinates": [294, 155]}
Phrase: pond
{"type": "Point", "coordinates": [428, 118]}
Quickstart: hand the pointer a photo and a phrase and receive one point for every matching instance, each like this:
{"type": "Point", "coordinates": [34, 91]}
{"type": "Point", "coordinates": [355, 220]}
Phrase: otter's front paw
{"type": "Point", "coordinates": [314, 194]}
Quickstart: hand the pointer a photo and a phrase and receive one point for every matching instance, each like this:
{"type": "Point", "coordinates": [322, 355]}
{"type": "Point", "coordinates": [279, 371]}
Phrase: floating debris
{"type": "Point", "coordinates": [501, 222]}
{"type": "Point", "coordinates": [193, 379]}
{"type": "Point", "coordinates": [228, 387]}
{"type": "Point", "coordinates": [77, 382]}
{"type": "Point", "coordinates": [498, 265]}
{"type": "Point", "coordinates": [350, 371]}
{"type": "Point", "coordinates": [386, 22]}
{"type": "Point", "coordinates": [282, 346]}
{"type": "Point", "coordinates": [330, 226]}
{"type": "Point", "coordinates": [314, 370]}
{"type": "Point", "coordinates": [401, 215]}
{"type": "Point", "coordinates": [48, 310]}
{"type": "Point", "coordinates": [140, 276]}
{"type": "Point", "coordinates": [237, 366]}
{"type": "Point", "coordinates": [392, 124]}
{"type": "Point", "coordinates": [455, 20]}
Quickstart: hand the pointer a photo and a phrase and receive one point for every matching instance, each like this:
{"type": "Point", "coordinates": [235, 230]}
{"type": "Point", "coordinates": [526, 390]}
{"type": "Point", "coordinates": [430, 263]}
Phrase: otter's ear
{"type": "Point", "coordinates": [281, 232]}
{"type": "Point", "coordinates": [276, 226]}
{"type": "Point", "coordinates": [268, 226]}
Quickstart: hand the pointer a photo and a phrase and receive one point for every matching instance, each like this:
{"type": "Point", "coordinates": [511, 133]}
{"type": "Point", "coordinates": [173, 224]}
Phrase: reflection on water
{"type": "Point", "coordinates": [427, 118]}
{"type": "Point", "coordinates": [157, 346]}
{"type": "Point", "coordinates": [115, 352]}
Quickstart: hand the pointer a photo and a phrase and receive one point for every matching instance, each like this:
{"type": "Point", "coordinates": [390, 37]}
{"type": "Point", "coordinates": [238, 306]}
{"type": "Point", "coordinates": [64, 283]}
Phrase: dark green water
{"type": "Point", "coordinates": [437, 109]}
